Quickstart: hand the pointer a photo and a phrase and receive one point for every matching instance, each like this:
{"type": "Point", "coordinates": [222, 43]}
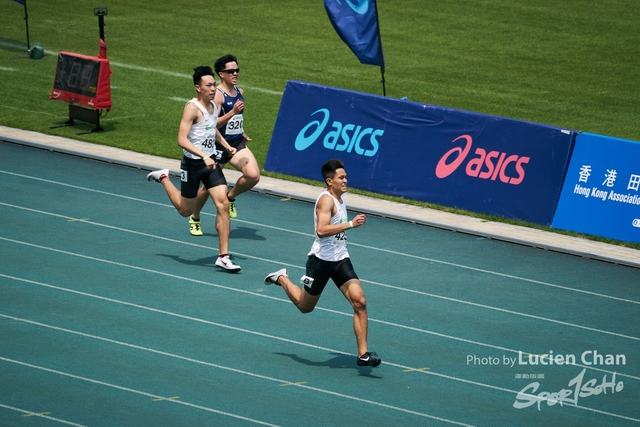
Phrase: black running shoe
{"type": "Point", "coordinates": [369, 359]}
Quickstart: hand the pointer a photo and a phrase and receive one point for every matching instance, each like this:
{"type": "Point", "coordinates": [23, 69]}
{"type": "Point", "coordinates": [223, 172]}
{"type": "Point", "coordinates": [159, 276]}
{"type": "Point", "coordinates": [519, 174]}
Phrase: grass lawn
{"type": "Point", "coordinates": [571, 64]}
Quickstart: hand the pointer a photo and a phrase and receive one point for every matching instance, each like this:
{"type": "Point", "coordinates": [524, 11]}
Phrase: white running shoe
{"type": "Point", "coordinates": [273, 277]}
{"type": "Point", "coordinates": [227, 264]}
{"type": "Point", "coordinates": [158, 175]}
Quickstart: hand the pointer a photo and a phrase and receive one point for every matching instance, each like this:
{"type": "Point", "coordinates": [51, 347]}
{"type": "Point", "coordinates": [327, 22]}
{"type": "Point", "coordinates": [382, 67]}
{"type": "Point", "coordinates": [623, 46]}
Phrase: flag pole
{"type": "Point", "coordinates": [384, 89]}
{"type": "Point", "coordinates": [26, 21]}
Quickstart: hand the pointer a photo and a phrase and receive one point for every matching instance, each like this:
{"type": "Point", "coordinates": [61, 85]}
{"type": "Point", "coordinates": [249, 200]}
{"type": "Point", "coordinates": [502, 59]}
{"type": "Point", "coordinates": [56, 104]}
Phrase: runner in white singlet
{"type": "Point", "coordinates": [197, 136]}
{"type": "Point", "coordinates": [329, 259]}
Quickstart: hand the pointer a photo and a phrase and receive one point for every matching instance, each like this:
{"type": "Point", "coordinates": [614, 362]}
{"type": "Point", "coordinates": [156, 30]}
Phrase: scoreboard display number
{"type": "Point", "coordinates": [77, 75]}
{"type": "Point", "coordinates": [83, 80]}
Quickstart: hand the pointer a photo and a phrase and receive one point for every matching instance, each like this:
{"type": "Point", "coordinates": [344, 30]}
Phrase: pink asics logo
{"type": "Point", "coordinates": [491, 165]}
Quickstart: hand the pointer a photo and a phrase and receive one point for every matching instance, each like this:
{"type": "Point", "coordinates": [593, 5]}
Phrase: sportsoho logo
{"type": "Point", "coordinates": [349, 137]}
{"type": "Point", "coordinates": [491, 165]}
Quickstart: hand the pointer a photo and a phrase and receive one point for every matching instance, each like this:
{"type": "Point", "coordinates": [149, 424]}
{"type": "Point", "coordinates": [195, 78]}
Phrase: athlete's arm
{"type": "Point", "coordinates": [246, 137]}
{"type": "Point", "coordinates": [325, 209]}
{"type": "Point", "coordinates": [190, 116]}
{"type": "Point", "coordinates": [224, 143]}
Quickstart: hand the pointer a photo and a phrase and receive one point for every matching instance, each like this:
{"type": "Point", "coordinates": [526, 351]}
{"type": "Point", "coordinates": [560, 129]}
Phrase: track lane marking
{"type": "Point", "coordinates": [302, 384]}
{"type": "Point", "coordinates": [421, 258]}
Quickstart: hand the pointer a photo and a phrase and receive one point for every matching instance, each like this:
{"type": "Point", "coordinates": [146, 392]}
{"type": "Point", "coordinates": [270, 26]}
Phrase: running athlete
{"type": "Point", "coordinates": [197, 136]}
{"type": "Point", "coordinates": [231, 124]}
{"type": "Point", "coordinates": [329, 259]}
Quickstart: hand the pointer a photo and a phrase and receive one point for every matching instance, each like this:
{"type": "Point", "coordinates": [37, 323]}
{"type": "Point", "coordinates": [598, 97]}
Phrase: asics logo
{"type": "Point", "coordinates": [492, 165]}
{"type": "Point", "coordinates": [349, 137]}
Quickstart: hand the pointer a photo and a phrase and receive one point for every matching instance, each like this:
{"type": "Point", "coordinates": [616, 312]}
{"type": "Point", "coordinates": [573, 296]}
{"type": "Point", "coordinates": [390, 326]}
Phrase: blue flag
{"type": "Point", "coordinates": [20, 1]}
{"type": "Point", "coordinates": [356, 22]}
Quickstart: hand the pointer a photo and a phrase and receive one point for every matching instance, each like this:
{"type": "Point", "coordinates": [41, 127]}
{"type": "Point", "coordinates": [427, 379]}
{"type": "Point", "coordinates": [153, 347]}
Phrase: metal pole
{"type": "Point", "coordinates": [384, 89]}
{"type": "Point", "coordinates": [26, 21]}
{"type": "Point", "coordinates": [100, 12]}
{"type": "Point", "coordinates": [101, 24]}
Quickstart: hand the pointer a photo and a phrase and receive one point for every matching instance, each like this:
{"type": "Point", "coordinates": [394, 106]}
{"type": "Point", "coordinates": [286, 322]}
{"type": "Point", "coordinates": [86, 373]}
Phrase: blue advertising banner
{"type": "Point", "coordinates": [601, 192]}
{"type": "Point", "coordinates": [450, 157]}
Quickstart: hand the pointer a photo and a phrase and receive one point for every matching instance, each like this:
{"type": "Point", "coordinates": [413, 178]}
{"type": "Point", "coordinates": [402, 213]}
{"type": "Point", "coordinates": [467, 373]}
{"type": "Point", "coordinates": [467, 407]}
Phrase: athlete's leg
{"type": "Point", "coordinates": [245, 162]}
{"type": "Point", "coordinates": [201, 199]}
{"type": "Point", "coordinates": [219, 196]}
{"type": "Point", "coordinates": [183, 205]}
{"type": "Point", "coordinates": [352, 290]}
{"type": "Point", "coordinates": [300, 297]}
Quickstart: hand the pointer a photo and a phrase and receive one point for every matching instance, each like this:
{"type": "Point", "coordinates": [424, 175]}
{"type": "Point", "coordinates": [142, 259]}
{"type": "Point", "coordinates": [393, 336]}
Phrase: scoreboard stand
{"type": "Point", "coordinates": [84, 82]}
{"type": "Point", "coordinates": [83, 114]}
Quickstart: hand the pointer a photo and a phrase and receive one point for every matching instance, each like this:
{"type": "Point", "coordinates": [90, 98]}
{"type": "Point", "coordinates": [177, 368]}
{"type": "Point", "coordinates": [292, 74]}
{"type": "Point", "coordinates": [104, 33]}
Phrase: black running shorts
{"type": "Point", "coordinates": [321, 271]}
{"type": "Point", "coordinates": [194, 172]}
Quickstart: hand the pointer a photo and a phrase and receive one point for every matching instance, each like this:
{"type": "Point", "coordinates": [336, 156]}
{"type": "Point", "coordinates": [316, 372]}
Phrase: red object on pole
{"type": "Point", "coordinates": [103, 50]}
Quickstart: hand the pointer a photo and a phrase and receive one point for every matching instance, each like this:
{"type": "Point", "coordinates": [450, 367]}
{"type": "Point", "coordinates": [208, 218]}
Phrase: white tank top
{"type": "Point", "coordinates": [203, 133]}
{"type": "Point", "coordinates": [332, 248]}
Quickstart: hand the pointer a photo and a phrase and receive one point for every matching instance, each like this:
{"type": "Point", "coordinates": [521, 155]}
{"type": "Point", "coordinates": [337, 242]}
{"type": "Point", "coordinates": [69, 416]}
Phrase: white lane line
{"type": "Point", "coordinates": [291, 383]}
{"type": "Point", "coordinates": [147, 70]}
{"type": "Point", "coordinates": [30, 111]}
{"type": "Point", "coordinates": [35, 414]}
{"type": "Point", "coordinates": [186, 76]}
{"type": "Point", "coordinates": [131, 390]}
{"type": "Point", "coordinates": [498, 309]}
{"type": "Point", "coordinates": [421, 258]}
{"type": "Point", "coordinates": [488, 307]}
{"type": "Point", "coordinates": [260, 334]}
{"type": "Point", "coordinates": [13, 45]}
{"type": "Point", "coordinates": [222, 367]}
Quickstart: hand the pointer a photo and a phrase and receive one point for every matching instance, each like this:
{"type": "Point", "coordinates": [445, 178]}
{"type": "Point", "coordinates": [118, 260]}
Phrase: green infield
{"type": "Point", "coordinates": [571, 64]}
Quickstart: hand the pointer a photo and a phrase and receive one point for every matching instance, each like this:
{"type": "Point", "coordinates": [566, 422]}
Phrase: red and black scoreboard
{"type": "Point", "coordinates": [84, 80]}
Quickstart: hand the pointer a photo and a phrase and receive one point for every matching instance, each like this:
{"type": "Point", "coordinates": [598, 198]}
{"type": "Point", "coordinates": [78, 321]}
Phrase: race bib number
{"type": "Point", "coordinates": [209, 143]}
{"type": "Point", "coordinates": [234, 125]}
{"type": "Point", "coordinates": [209, 147]}
{"type": "Point", "coordinates": [339, 239]}
{"type": "Point", "coordinates": [184, 177]}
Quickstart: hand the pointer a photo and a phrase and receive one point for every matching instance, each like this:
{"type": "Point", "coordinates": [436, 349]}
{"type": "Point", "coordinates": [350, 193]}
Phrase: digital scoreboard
{"type": "Point", "coordinates": [84, 80]}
